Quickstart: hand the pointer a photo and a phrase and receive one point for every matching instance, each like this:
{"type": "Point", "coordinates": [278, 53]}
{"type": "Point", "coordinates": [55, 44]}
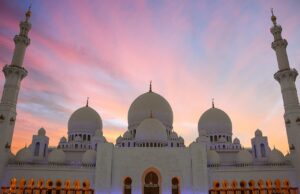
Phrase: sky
{"type": "Point", "coordinates": [192, 51]}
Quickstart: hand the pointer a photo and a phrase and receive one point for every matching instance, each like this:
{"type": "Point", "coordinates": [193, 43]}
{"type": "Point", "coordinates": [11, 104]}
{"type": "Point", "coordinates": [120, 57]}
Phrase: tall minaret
{"type": "Point", "coordinates": [14, 73]}
{"type": "Point", "coordinates": [286, 78]}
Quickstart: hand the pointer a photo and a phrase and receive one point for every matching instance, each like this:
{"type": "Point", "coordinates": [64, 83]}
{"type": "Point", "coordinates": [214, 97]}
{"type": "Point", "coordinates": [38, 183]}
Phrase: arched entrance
{"type": "Point", "coordinates": [151, 183]}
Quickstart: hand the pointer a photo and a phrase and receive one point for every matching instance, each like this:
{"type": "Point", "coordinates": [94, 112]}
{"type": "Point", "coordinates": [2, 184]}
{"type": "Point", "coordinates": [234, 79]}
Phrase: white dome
{"type": "Point", "coordinates": [85, 119]}
{"type": "Point", "coordinates": [63, 140]}
{"type": "Point", "coordinates": [89, 157]}
{"type": "Point", "coordinates": [127, 135]}
{"type": "Point", "coordinates": [24, 155]}
{"type": "Point", "coordinates": [146, 103]}
{"type": "Point", "coordinates": [173, 135]}
{"type": "Point", "coordinates": [119, 139]}
{"type": "Point", "coordinates": [57, 156]}
{"type": "Point", "coordinates": [236, 141]}
{"type": "Point", "coordinates": [42, 132]}
{"type": "Point", "coordinates": [244, 157]}
{"type": "Point", "coordinates": [98, 133]}
{"type": "Point", "coordinates": [276, 157]}
{"type": "Point", "coordinates": [151, 130]}
{"type": "Point", "coordinates": [213, 157]}
{"type": "Point", "coordinates": [213, 121]}
{"type": "Point", "coordinates": [258, 133]}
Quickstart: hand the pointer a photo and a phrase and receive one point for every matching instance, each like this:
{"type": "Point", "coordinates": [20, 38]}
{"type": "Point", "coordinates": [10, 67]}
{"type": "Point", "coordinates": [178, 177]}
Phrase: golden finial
{"type": "Point", "coordinates": [150, 86]}
{"type": "Point", "coordinates": [273, 18]}
{"type": "Point", "coordinates": [87, 101]}
{"type": "Point", "coordinates": [28, 13]}
{"type": "Point", "coordinates": [213, 102]}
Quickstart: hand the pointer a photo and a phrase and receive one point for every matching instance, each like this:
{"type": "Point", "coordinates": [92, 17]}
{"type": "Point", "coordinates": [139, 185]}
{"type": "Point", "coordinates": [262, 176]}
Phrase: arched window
{"type": "Point", "coordinates": [171, 144]}
{"type": "Point", "coordinates": [45, 148]}
{"type": "Point", "coordinates": [127, 185]}
{"type": "Point", "coordinates": [84, 137]}
{"type": "Point", "coordinates": [255, 153]}
{"type": "Point", "coordinates": [151, 184]}
{"type": "Point", "coordinates": [263, 150]}
{"type": "Point", "coordinates": [37, 149]}
{"type": "Point", "coordinates": [215, 138]}
{"type": "Point", "coordinates": [175, 185]}
{"type": "Point", "coordinates": [211, 139]}
{"type": "Point", "coordinates": [96, 145]}
{"type": "Point", "coordinates": [89, 138]}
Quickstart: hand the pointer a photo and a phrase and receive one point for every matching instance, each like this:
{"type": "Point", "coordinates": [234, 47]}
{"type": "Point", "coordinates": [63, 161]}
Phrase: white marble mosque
{"type": "Point", "coordinates": [150, 157]}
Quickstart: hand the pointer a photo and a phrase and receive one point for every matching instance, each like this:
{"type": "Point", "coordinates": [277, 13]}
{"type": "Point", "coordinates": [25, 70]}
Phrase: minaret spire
{"type": "Point", "coordinates": [213, 102]}
{"type": "Point", "coordinates": [286, 78]}
{"type": "Point", "coordinates": [14, 73]}
{"type": "Point", "coordinates": [150, 86]}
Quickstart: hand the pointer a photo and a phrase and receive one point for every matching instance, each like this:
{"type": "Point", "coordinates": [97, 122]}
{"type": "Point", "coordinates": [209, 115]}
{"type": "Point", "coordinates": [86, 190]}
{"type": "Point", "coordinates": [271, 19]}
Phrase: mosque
{"type": "Point", "coordinates": [150, 157]}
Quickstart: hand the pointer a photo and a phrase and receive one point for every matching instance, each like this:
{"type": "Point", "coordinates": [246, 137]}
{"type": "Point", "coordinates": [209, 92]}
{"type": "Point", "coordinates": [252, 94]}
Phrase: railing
{"type": "Point", "coordinates": [255, 191]}
{"type": "Point", "coordinates": [8, 190]}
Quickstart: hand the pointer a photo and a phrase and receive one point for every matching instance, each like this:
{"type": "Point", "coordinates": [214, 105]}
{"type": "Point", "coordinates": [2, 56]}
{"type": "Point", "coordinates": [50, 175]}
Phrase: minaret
{"type": "Point", "coordinates": [286, 78]}
{"type": "Point", "coordinates": [14, 73]}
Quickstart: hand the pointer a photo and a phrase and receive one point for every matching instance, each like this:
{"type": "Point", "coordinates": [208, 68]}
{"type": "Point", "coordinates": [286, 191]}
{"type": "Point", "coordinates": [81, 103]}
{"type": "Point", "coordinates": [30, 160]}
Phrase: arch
{"type": "Point", "coordinates": [263, 150]}
{"type": "Point", "coordinates": [175, 185]}
{"type": "Point", "coordinates": [127, 185]}
{"type": "Point", "coordinates": [151, 180]}
{"type": "Point", "coordinates": [37, 149]}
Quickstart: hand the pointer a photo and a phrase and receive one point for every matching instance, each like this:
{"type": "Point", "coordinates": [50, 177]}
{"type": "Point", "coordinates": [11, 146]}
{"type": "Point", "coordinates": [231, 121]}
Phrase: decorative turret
{"type": "Point", "coordinates": [14, 73]}
{"type": "Point", "coordinates": [286, 78]}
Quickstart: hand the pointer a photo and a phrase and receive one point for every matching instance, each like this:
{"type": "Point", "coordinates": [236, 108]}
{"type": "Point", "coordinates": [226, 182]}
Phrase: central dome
{"type": "Point", "coordinates": [150, 102]}
{"type": "Point", "coordinates": [85, 119]}
{"type": "Point", "coordinates": [151, 130]}
{"type": "Point", "coordinates": [215, 120]}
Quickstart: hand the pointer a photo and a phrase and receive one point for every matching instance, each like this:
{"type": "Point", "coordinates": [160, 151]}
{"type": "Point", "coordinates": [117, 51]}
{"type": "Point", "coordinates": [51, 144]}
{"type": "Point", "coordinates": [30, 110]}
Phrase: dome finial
{"type": "Point", "coordinates": [28, 12]}
{"type": "Point", "coordinates": [150, 86]}
{"type": "Point", "coordinates": [213, 102]}
{"type": "Point", "coordinates": [87, 101]}
{"type": "Point", "coordinates": [273, 18]}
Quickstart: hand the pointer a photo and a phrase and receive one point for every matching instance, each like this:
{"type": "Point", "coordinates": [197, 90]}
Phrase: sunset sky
{"type": "Point", "coordinates": [192, 51]}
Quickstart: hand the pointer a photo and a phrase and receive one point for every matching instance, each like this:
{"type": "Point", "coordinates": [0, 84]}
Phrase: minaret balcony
{"type": "Point", "coordinates": [281, 43]}
{"type": "Point", "coordinates": [16, 70]}
{"type": "Point", "coordinates": [22, 39]}
{"type": "Point", "coordinates": [286, 75]}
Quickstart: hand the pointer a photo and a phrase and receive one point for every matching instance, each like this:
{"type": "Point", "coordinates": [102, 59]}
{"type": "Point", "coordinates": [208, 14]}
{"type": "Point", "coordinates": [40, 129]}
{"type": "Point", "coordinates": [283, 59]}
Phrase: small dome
{"type": "Point", "coordinates": [127, 135]}
{"type": "Point", "coordinates": [119, 139]}
{"type": "Point", "coordinates": [244, 157]}
{"type": "Point", "coordinates": [42, 132]}
{"type": "Point", "coordinates": [236, 141]}
{"type": "Point", "coordinates": [24, 155]}
{"type": "Point", "coordinates": [258, 133]}
{"type": "Point", "coordinates": [213, 157]}
{"type": "Point", "coordinates": [85, 119]}
{"type": "Point", "coordinates": [57, 156]}
{"type": "Point", "coordinates": [213, 121]}
{"type": "Point", "coordinates": [150, 102]}
{"type": "Point", "coordinates": [276, 157]}
{"type": "Point", "coordinates": [89, 157]}
{"type": "Point", "coordinates": [151, 130]}
{"type": "Point", "coordinates": [181, 140]}
{"type": "Point", "coordinates": [173, 135]}
{"type": "Point", "coordinates": [63, 140]}
{"type": "Point", "coordinates": [288, 157]}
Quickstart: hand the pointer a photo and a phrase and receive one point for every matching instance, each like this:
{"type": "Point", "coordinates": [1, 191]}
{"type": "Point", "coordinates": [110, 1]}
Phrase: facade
{"type": "Point", "coordinates": [150, 157]}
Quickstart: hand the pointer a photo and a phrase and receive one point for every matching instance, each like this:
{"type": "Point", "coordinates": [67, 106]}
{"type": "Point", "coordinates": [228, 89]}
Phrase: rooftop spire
{"type": "Point", "coordinates": [213, 102]}
{"type": "Point", "coordinates": [28, 12]}
{"type": "Point", "coordinates": [87, 101]}
{"type": "Point", "coordinates": [150, 86]}
{"type": "Point", "coordinates": [273, 18]}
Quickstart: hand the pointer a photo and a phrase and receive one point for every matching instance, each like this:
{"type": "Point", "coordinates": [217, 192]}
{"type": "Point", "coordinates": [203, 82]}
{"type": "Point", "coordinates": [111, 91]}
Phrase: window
{"type": "Point", "coordinates": [127, 185]}
{"type": "Point", "coordinates": [255, 154]}
{"type": "Point", "coordinates": [211, 138]}
{"type": "Point", "coordinates": [45, 148]}
{"type": "Point", "coordinates": [263, 150]}
{"type": "Point", "coordinates": [175, 185]}
{"type": "Point", "coordinates": [37, 149]}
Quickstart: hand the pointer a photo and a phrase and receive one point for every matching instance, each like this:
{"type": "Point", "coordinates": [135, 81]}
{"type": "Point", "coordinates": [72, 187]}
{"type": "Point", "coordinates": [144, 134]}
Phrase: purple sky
{"type": "Point", "coordinates": [193, 51]}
